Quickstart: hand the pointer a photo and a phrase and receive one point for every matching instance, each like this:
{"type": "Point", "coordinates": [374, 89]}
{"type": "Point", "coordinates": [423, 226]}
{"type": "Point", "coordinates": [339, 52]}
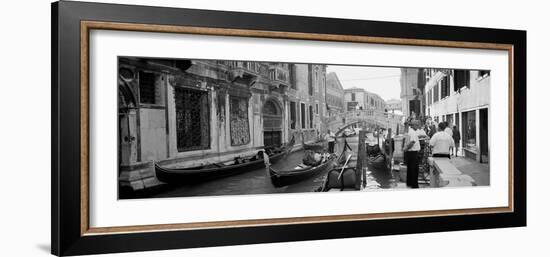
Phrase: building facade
{"type": "Point", "coordinates": [334, 95]}
{"type": "Point", "coordinates": [307, 110]}
{"type": "Point", "coordinates": [360, 99]}
{"type": "Point", "coordinates": [394, 106]}
{"type": "Point", "coordinates": [374, 101]}
{"type": "Point", "coordinates": [461, 98]}
{"type": "Point", "coordinates": [412, 82]}
{"type": "Point", "coordinates": [182, 113]}
{"type": "Point", "coordinates": [354, 99]}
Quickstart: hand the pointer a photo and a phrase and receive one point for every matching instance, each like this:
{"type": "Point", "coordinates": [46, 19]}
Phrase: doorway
{"type": "Point", "coordinates": [414, 107]}
{"type": "Point", "coordinates": [273, 121]}
{"type": "Point", "coordinates": [484, 135]}
{"type": "Point", "coordinates": [272, 138]}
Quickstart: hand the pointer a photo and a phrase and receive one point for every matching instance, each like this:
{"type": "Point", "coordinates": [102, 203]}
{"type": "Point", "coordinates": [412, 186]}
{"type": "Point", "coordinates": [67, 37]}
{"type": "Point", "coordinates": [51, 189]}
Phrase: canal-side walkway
{"type": "Point", "coordinates": [479, 172]}
{"type": "Point", "coordinates": [457, 171]}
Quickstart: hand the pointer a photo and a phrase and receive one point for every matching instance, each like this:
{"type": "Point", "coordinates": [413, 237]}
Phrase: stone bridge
{"type": "Point", "coordinates": [364, 118]}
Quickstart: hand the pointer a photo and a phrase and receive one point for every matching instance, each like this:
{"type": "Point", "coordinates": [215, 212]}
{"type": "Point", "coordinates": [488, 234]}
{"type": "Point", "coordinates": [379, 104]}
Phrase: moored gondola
{"type": "Point", "coordinates": [317, 146]}
{"type": "Point", "coordinates": [280, 178]}
{"type": "Point", "coordinates": [375, 157]}
{"type": "Point", "coordinates": [218, 170]}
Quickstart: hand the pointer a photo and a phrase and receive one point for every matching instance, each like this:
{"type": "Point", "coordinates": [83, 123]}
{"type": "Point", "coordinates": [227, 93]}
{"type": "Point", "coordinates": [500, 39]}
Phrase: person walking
{"type": "Point", "coordinates": [330, 138]}
{"type": "Point", "coordinates": [410, 151]}
{"type": "Point", "coordinates": [456, 138]}
{"type": "Point", "coordinates": [441, 142]}
{"type": "Point", "coordinates": [432, 129]}
{"type": "Point", "coordinates": [448, 129]}
{"type": "Point", "coordinates": [421, 133]}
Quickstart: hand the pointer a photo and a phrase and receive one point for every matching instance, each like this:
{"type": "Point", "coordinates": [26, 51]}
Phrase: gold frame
{"type": "Point", "coordinates": [86, 26]}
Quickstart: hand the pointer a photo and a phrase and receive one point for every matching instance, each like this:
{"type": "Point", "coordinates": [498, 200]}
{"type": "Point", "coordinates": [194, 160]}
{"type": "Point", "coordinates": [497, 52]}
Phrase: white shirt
{"type": "Point", "coordinates": [449, 131]}
{"type": "Point", "coordinates": [330, 137]}
{"type": "Point", "coordinates": [441, 142]}
{"type": "Point", "coordinates": [413, 136]}
{"type": "Point", "coordinates": [421, 132]}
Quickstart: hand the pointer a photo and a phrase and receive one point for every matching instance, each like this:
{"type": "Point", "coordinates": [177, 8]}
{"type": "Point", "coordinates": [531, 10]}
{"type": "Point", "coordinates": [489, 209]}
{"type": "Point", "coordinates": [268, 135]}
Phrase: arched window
{"type": "Point", "coordinates": [273, 120]}
{"type": "Point", "coordinates": [271, 108]}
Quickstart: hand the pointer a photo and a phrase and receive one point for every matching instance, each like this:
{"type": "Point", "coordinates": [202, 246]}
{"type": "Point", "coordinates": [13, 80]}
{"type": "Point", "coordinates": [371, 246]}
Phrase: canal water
{"type": "Point", "coordinates": [258, 181]}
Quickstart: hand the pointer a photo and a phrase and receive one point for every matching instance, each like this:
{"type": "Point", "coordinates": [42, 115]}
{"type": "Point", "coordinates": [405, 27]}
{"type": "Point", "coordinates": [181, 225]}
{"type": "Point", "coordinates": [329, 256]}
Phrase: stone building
{"type": "Point", "coordinates": [394, 105]}
{"type": "Point", "coordinates": [360, 99]}
{"type": "Point", "coordinates": [412, 83]}
{"type": "Point", "coordinates": [354, 99]}
{"type": "Point", "coordinates": [306, 101]}
{"type": "Point", "coordinates": [334, 95]}
{"type": "Point", "coordinates": [461, 97]}
{"type": "Point", "coordinates": [182, 113]}
{"type": "Point", "coordinates": [374, 101]}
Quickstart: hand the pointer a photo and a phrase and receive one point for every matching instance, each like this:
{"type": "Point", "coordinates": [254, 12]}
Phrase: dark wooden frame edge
{"type": "Point", "coordinates": [67, 237]}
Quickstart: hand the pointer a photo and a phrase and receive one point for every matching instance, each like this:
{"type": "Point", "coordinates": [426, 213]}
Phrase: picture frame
{"type": "Point", "coordinates": [71, 26]}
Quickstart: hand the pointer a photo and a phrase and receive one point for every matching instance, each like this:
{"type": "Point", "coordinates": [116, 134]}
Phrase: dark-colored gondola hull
{"type": "Point", "coordinates": [378, 161]}
{"type": "Point", "coordinates": [284, 178]}
{"type": "Point", "coordinates": [202, 174]}
{"type": "Point", "coordinates": [317, 146]}
{"type": "Point", "coordinates": [280, 179]}
{"type": "Point", "coordinates": [375, 157]}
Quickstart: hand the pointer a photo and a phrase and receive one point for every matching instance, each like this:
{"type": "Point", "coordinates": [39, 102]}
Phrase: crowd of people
{"type": "Point", "coordinates": [439, 138]}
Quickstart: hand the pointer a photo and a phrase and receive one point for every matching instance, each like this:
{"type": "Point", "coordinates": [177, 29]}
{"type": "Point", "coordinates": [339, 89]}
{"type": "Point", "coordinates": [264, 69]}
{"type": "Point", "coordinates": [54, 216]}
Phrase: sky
{"type": "Point", "coordinates": [380, 80]}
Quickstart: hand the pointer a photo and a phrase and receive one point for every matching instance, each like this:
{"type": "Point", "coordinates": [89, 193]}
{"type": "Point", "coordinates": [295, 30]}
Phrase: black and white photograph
{"type": "Point", "coordinates": [204, 127]}
{"type": "Point", "coordinates": [274, 128]}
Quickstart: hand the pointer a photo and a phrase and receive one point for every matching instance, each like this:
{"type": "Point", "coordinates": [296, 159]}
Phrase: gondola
{"type": "Point", "coordinates": [317, 146]}
{"type": "Point", "coordinates": [280, 178]}
{"type": "Point", "coordinates": [375, 157]}
{"type": "Point", "coordinates": [218, 170]}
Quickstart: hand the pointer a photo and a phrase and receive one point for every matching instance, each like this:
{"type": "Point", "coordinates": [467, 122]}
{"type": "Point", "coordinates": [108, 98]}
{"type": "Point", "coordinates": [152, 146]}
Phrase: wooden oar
{"type": "Point", "coordinates": [290, 146]}
{"type": "Point", "coordinates": [344, 167]}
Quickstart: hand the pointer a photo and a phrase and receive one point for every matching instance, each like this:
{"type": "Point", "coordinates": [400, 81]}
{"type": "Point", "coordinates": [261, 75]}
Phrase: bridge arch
{"type": "Point", "coordinates": [365, 118]}
{"type": "Point", "coordinates": [360, 123]}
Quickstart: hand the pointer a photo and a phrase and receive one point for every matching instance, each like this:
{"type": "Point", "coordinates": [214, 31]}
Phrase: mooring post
{"type": "Point", "coordinates": [267, 164]}
{"type": "Point", "coordinates": [389, 140]}
{"type": "Point", "coordinates": [361, 178]}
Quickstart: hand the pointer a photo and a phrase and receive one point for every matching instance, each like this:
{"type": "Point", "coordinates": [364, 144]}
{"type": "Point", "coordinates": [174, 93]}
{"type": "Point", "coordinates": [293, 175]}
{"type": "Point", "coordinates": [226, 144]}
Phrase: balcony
{"type": "Point", "coordinates": [279, 76]}
{"type": "Point", "coordinates": [244, 72]}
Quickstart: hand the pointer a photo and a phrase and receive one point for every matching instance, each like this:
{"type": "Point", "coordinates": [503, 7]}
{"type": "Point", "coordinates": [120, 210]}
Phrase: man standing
{"type": "Point", "coordinates": [411, 154]}
{"type": "Point", "coordinates": [441, 142]}
{"type": "Point", "coordinates": [432, 129]}
{"type": "Point", "coordinates": [330, 138]}
{"type": "Point", "coordinates": [456, 138]}
{"type": "Point", "coordinates": [449, 131]}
